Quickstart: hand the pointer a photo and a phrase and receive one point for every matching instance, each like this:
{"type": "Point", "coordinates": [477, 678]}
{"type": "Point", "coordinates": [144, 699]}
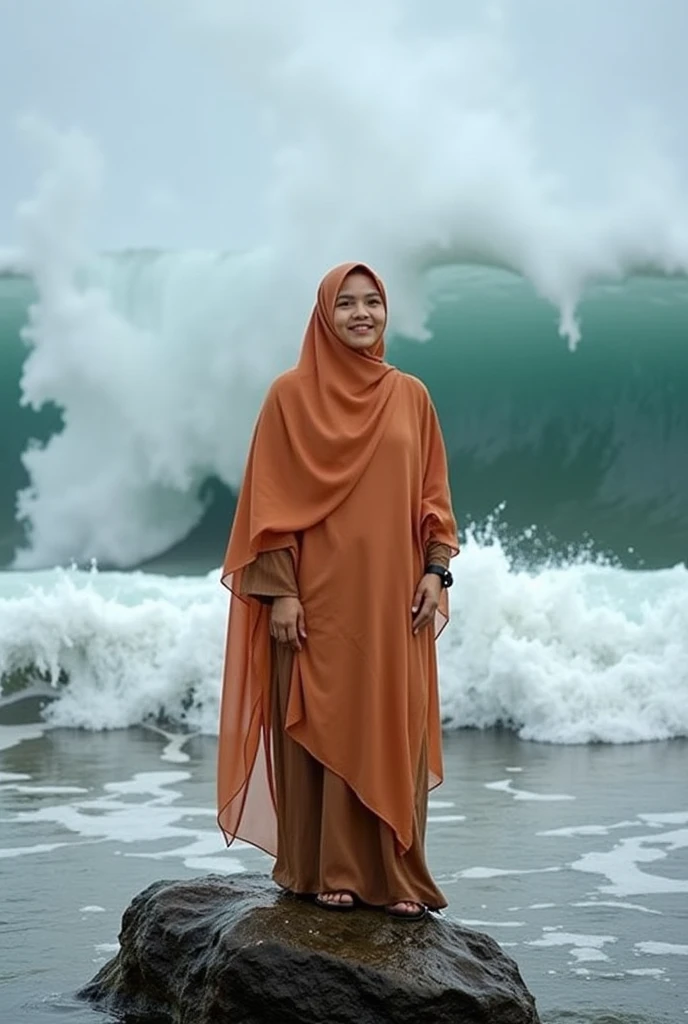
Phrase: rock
{"type": "Point", "coordinates": [237, 950]}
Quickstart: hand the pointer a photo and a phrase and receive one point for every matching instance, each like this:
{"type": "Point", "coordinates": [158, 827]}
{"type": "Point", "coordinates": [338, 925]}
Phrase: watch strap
{"type": "Point", "coordinates": [443, 573]}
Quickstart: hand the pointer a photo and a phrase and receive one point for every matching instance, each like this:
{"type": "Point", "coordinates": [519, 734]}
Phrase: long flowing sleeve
{"type": "Point", "coordinates": [270, 575]}
{"type": "Point", "coordinates": [437, 553]}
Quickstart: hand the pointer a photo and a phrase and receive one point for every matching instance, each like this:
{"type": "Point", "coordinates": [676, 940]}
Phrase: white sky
{"type": "Point", "coordinates": [179, 169]}
{"type": "Point", "coordinates": [184, 165]}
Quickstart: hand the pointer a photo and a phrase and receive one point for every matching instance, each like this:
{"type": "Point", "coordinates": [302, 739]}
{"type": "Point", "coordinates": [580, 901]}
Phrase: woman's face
{"type": "Point", "coordinates": [359, 312]}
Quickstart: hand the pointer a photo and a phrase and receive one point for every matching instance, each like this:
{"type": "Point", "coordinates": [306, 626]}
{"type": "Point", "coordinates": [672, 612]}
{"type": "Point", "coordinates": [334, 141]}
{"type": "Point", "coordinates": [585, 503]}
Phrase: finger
{"type": "Point", "coordinates": [420, 611]}
{"type": "Point", "coordinates": [418, 598]}
{"type": "Point", "coordinates": [292, 638]}
{"type": "Point", "coordinates": [429, 612]}
{"type": "Point", "coordinates": [425, 620]}
{"type": "Point", "coordinates": [302, 624]}
{"type": "Point", "coordinates": [421, 623]}
{"type": "Point", "coordinates": [282, 637]}
{"type": "Point", "coordinates": [426, 613]}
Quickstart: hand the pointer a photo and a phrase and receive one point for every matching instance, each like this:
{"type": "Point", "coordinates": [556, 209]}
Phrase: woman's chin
{"type": "Point", "coordinates": [360, 342]}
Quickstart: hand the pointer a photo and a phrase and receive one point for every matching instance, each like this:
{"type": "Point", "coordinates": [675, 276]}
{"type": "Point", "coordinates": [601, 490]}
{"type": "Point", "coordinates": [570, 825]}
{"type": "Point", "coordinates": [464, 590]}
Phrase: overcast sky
{"type": "Point", "coordinates": [183, 160]}
{"type": "Point", "coordinates": [158, 106]}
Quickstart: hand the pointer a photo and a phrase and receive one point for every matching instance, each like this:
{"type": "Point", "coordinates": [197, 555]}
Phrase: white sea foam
{"type": "Point", "coordinates": [41, 790]}
{"type": "Point", "coordinates": [13, 735]}
{"type": "Point", "coordinates": [621, 865]}
{"type": "Point", "coordinates": [484, 872]}
{"type": "Point", "coordinates": [505, 786]}
{"type": "Point", "coordinates": [583, 948]}
{"type": "Point", "coordinates": [107, 947]}
{"type": "Point", "coordinates": [662, 948]}
{"type": "Point", "coordinates": [478, 923]}
{"type": "Point", "coordinates": [589, 830]}
{"type": "Point", "coordinates": [659, 819]}
{"type": "Point", "coordinates": [139, 812]}
{"type": "Point", "coordinates": [646, 972]}
{"type": "Point", "coordinates": [133, 647]}
{"type": "Point", "coordinates": [10, 852]}
{"type": "Point", "coordinates": [616, 905]}
{"type": "Point", "coordinates": [160, 363]}
{"type": "Point", "coordinates": [574, 654]}
{"type": "Point", "coordinates": [592, 652]}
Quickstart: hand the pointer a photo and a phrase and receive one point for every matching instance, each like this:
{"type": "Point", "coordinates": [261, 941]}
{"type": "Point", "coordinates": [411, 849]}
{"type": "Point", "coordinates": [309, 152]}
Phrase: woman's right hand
{"type": "Point", "coordinates": [288, 622]}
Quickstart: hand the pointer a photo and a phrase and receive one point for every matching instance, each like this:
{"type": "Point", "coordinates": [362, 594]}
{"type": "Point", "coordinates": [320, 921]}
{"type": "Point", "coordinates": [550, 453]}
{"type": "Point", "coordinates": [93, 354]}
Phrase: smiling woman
{"type": "Point", "coordinates": [338, 567]}
{"type": "Point", "coordinates": [359, 313]}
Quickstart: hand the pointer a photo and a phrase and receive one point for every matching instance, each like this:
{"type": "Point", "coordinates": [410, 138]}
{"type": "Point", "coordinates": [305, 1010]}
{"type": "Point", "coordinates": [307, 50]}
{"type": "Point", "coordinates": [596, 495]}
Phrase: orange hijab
{"type": "Point", "coordinates": [314, 437]}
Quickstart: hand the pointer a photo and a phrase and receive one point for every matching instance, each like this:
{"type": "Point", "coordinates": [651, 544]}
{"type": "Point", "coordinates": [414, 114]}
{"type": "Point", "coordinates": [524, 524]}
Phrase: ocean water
{"type": "Point", "coordinates": [533, 231]}
{"type": "Point", "coordinates": [574, 858]}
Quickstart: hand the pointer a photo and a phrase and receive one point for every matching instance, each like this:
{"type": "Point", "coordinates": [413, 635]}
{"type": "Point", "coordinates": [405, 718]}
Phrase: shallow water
{"type": "Point", "coordinates": [574, 858]}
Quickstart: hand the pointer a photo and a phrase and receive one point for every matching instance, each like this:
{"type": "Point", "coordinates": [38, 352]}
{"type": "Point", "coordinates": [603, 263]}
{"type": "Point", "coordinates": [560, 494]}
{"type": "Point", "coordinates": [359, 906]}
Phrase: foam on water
{"type": "Point", "coordinates": [662, 948]}
{"type": "Point", "coordinates": [571, 654]}
{"type": "Point", "coordinates": [11, 735]}
{"type": "Point", "coordinates": [583, 948]}
{"type": "Point", "coordinates": [616, 905]}
{"type": "Point", "coordinates": [592, 652]}
{"type": "Point", "coordinates": [505, 786]}
{"type": "Point", "coordinates": [620, 865]}
{"type": "Point", "coordinates": [138, 812]}
{"type": "Point", "coordinates": [130, 647]}
{"type": "Point", "coordinates": [619, 871]}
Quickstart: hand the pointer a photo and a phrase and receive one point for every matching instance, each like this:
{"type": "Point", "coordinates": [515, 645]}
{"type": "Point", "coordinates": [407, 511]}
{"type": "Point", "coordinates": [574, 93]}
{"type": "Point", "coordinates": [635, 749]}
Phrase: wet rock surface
{"type": "Point", "coordinates": [239, 951]}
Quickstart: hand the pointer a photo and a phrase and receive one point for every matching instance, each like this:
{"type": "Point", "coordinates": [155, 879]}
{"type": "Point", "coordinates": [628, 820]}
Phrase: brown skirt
{"type": "Point", "coordinates": [327, 840]}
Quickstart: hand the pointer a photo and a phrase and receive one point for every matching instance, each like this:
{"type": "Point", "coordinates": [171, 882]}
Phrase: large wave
{"type": "Point", "coordinates": [414, 145]}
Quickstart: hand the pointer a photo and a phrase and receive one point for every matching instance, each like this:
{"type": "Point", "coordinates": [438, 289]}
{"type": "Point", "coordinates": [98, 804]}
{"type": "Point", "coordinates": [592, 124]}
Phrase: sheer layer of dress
{"type": "Point", "coordinates": [327, 840]}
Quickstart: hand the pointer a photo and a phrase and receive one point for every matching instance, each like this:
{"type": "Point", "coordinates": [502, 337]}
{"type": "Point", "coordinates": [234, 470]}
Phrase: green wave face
{"type": "Point", "coordinates": [19, 426]}
{"type": "Point", "coordinates": [589, 447]}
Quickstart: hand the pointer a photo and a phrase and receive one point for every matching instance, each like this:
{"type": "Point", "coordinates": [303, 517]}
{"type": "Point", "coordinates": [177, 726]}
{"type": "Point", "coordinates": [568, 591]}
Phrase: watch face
{"type": "Point", "coordinates": [444, 574]}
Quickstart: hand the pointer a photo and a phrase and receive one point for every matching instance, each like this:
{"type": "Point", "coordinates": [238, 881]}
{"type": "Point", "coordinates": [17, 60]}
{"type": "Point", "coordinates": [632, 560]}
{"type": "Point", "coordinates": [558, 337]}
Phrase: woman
{"type": "Point", "coordinates": [338, 565]}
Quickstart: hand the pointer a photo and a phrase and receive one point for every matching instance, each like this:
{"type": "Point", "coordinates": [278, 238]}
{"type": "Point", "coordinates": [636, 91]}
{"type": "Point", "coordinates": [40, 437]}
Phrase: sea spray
{"type": "Point", "coordinates": [574, 652]}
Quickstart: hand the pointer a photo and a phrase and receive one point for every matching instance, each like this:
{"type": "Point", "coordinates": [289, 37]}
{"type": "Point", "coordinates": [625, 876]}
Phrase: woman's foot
{"type": "Point", "coordinates": [409, 910]}
{"type": "Point", "coordinates": [339, 900]}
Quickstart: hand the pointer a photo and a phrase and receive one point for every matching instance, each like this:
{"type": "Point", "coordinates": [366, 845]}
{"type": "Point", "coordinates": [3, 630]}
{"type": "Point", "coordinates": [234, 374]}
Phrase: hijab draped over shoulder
{"type": "Point", "coordinates": [321, 478]}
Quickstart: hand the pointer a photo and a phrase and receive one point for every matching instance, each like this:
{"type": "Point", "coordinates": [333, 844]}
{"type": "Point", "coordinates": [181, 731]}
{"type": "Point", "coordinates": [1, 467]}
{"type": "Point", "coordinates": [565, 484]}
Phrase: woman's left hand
{"type": "Point", "coordinates": [425, 601]}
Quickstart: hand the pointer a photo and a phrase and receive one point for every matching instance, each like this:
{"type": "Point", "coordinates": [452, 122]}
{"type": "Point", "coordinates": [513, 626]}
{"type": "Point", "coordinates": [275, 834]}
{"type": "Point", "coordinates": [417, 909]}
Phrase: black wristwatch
{"type": "Point", "coordinates": [444, 574]}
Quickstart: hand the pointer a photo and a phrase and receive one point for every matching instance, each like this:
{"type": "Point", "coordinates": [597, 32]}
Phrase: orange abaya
{"type": "Point", "coordinates": [347, 472]}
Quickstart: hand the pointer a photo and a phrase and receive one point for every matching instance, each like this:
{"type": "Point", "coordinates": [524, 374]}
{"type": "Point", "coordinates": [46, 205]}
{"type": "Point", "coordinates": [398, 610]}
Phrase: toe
{"type": "Point", "coordinates": [406, 907]}
{"type": "Point", "coordinates": [336, 897]}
